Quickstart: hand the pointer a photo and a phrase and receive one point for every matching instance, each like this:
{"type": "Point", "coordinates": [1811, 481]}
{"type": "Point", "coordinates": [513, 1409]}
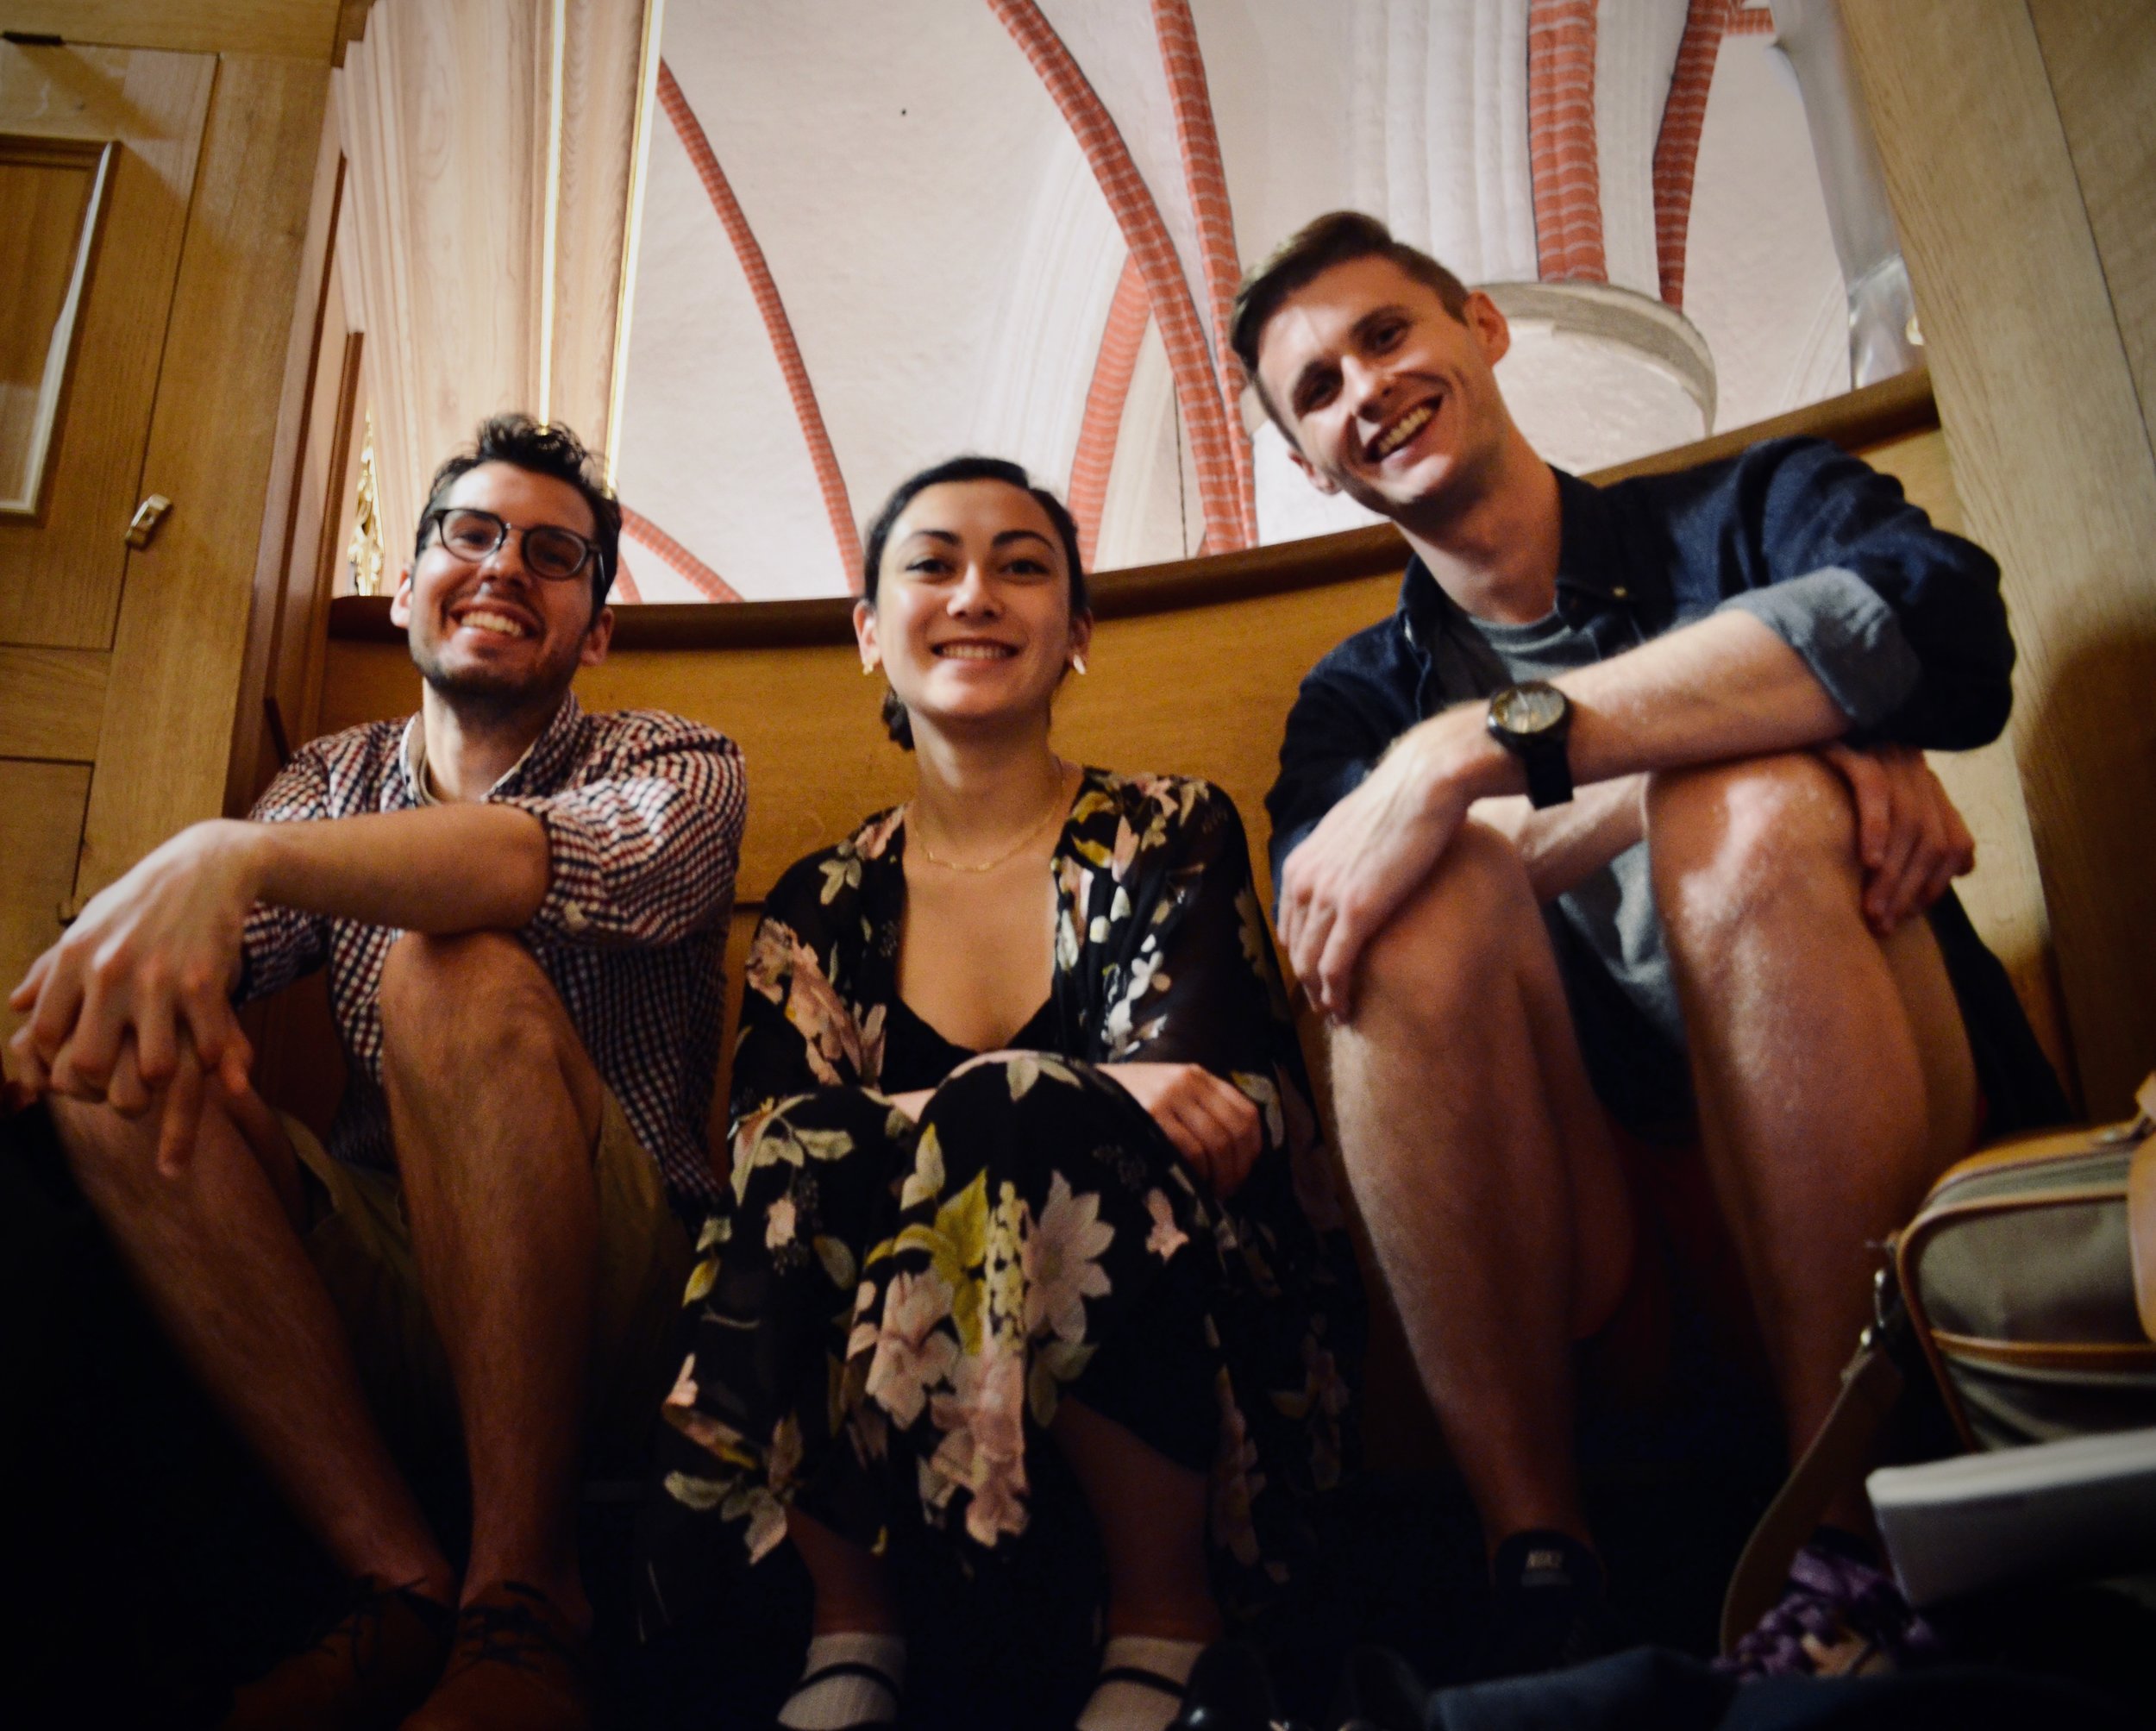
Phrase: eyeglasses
{"type": "Point", "coordinates": [549, 551]}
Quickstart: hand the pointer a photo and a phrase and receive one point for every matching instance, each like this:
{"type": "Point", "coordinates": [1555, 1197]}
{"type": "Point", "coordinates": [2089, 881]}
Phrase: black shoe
{"type": "Point", "coordinates": [1228, 1691]}
{"type": "Point", "coordinates": [1551, 1609]}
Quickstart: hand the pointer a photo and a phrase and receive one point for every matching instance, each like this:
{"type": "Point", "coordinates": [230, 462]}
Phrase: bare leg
{"type": "Point", "coordinates": [1482, 1166]}
{"type": "Point", "coordinates": [223, 1268]}
{"type": "Point", "coordinates": [1150, 1513]}
{"type": "Point", "coordinates": [851, 1593]}
{"type": "Point", "coordinates": [495, 1108]}
{"type": "Point", "coordinates": [1834, 1075]}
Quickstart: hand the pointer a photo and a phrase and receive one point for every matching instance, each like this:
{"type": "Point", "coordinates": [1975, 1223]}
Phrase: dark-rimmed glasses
{"type": "Point", "coordinates": [550, 551]}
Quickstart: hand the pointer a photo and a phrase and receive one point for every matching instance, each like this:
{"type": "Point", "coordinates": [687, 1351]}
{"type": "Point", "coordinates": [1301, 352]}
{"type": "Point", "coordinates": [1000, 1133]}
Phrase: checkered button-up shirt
{"type": "Point", "coordinates": [643, 814]}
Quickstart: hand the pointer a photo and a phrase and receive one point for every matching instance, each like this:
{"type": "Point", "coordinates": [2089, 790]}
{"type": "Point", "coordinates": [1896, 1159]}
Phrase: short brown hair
{"type": "Point", "coordinates": [541, 449]}
{"type": "Point", "coordinates": [1333, 239]}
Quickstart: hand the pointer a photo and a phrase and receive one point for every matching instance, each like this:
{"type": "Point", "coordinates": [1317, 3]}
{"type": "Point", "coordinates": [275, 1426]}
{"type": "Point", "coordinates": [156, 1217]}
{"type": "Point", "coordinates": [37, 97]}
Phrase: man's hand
{"type": "Point", "coordinates": [1352, 872]}
{"type": "Point", "coordinates": [1565, 845]}
{"type": "Point", "coordinates": [1213, 1122]}
{"type": "Point", "coordinates": [1910, 840]}
{"type": "Point", "coordinates": [131, 1006]}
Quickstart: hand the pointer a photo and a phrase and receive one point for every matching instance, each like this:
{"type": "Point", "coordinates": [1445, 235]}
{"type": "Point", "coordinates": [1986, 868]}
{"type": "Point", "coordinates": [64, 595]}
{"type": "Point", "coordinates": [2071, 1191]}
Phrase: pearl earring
{"type": "Point", "coordinates": [1077, 661]}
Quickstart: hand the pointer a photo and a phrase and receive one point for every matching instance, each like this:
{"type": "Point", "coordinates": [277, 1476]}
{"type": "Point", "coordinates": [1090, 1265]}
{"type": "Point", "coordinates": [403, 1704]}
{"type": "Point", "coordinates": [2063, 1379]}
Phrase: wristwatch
{"type": "Point", "coordinates": [1531, 720]}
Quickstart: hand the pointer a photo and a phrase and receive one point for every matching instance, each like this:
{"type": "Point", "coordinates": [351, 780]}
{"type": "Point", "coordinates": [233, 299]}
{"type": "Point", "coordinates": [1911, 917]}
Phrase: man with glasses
{"type": "Point", "coordinates": [523, 908]}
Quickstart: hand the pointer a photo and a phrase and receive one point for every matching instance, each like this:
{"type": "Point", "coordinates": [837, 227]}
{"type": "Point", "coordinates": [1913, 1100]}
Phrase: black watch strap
{"type": "Point", "coordinates": [1549, 771]}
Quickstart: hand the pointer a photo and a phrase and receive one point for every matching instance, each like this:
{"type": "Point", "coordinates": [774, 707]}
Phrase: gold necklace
{"type": "Point", "coordinates": [1059, 804]}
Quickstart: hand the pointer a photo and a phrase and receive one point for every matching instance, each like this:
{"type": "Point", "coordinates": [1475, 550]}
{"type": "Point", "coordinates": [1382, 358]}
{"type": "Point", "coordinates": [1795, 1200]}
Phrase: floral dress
{"type": "Point", "coordinates": [882, 1323]}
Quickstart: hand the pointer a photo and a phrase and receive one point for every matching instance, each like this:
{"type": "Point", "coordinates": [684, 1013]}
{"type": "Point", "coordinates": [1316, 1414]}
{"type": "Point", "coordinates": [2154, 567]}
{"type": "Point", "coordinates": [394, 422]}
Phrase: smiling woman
{"type": "Point", "coordinates": [1025, 1168]}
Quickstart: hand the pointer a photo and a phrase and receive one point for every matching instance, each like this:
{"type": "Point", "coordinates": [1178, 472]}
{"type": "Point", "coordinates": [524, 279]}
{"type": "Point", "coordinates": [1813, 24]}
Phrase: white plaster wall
{"type": "Point", "coordinates": [948, 260]}
{"type": "Point", "coordinates": [1762, 282]}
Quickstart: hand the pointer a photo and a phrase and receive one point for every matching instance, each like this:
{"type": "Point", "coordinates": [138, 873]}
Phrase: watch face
{"type": "Point", "coordinates": [1528, 708]}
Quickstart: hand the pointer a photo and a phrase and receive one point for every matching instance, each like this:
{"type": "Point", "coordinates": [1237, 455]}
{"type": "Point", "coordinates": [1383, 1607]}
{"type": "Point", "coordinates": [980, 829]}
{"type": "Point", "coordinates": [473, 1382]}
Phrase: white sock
{"type": "Point", "coordinates": [1128, 1704]}
{"type": "Point", "coordinates": [853, 1696]}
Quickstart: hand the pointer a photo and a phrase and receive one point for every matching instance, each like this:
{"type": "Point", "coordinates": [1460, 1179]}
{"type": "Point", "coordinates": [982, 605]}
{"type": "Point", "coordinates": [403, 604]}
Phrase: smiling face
{"type": "Point", "coordinates": [972, 622]}
{"type": "Point", "coordinates": [492, 633]}
{"type": "Point", "coordinates": [1384, 395]}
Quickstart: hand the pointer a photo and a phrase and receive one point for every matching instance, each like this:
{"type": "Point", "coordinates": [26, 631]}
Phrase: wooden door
{"type": "Point", "coordinates": [108, 254]}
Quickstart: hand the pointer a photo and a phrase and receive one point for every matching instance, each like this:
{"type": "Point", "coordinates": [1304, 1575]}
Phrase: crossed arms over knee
{"type": "Point", "coordinates": [135, 1003]}
{"type": "Point", "coordinates": [1820, 610]}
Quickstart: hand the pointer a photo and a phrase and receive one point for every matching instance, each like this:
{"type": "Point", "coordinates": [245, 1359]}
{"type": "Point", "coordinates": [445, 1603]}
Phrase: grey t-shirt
{"type": "Point", "coordinates": [1612, 911]}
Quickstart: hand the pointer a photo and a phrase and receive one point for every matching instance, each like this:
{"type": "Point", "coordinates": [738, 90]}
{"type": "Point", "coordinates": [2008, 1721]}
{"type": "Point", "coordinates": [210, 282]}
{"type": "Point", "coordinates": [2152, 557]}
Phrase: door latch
{"type": "Point", "coordinates": [142, 527]}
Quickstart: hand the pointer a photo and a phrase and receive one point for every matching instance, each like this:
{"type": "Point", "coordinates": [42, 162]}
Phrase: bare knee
{"type": "Point", "coordinates": [1729, 842]}
{"type": "Point", "coordinates": [471, 1006]}
{"type": "Point", "coordinates": [1459, 930]}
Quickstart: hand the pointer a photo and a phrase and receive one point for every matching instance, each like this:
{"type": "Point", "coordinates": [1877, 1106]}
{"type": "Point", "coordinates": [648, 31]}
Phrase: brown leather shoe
{"type": "Point", "coordinates": [375, 1664]}
{"type": "Point", "coordinates": [518, 1663]}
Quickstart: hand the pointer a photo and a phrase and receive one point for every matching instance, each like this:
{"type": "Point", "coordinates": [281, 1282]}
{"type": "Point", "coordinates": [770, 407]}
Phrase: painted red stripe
{"type": "Point", "coordinates": [1564, 163]}
{"type": "Point", "coordinates": [625, 587]}
{"type": "Point", "coordinates": [776, 325]}
{"type": "Point", "coordinates": [713, 587]}
{"type": "Point", "coordinates": [1676, 145]}
{"type": "Point", "coordinates": [1204, 176]}
{"type": "Point", "coordinates": [1197, 391]}
{"type": "Point", "coordinates": [1111, 389]}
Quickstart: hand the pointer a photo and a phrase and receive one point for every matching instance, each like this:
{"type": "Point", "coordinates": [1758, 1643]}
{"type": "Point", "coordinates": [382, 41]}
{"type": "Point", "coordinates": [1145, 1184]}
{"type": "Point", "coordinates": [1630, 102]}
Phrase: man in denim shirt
{"type": "Point", "coordinates": [1607, 857]}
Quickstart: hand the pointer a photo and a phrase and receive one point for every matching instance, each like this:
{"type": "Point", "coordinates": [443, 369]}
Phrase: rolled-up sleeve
{"type": "Point", "coordinates": [279, 944]}
{"type": "Point", "coordinates": [1847, 634]}
{"type": "Point", "coordinates": [1343, 719]}
{"type": "Point", "coordinates": [1902, 622]}
{"type": "Point", "coordinates": [646, 853]}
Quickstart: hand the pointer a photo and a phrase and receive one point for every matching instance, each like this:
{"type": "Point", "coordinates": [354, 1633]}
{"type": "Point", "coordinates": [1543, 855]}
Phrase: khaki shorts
{"type": "Point", "coordinates": [357, 1236]}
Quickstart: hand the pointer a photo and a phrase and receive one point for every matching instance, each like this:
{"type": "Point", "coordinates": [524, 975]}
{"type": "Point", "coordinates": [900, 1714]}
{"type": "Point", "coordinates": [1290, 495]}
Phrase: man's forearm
{"type": "Point", "coordinates": [1724, 689]}
{"type": "Point", "coordinates": [1564, 845]}
{"type": "Point", "coordinates": [443, 868]}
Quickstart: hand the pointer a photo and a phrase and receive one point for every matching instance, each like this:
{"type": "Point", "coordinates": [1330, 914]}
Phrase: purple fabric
{"type": "Point", "coordinates": [1832, 1595]}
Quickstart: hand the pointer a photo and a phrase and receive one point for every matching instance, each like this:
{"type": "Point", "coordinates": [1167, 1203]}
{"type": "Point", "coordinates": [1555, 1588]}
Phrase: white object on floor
{"type": "Point", "coordinates": [2085, 1507]}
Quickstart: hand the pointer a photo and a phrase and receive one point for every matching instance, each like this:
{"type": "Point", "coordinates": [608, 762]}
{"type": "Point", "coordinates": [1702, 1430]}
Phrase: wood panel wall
{"type": "Point", "coordinates": [2020, 152]}
{"type": "Point", "coordinates": [1195, 666]}
{"type": "Point", "coordinates": [123, 670]}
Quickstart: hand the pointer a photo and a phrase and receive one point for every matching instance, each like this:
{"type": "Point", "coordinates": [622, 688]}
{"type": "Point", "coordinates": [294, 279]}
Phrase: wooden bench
{"type": "Point", "coordinates": [1195, 666]}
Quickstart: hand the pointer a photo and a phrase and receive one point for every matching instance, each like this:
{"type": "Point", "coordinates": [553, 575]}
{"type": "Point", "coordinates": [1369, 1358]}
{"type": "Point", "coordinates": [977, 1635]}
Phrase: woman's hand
{"type": "Point", "coordinates": [1212, 1124]}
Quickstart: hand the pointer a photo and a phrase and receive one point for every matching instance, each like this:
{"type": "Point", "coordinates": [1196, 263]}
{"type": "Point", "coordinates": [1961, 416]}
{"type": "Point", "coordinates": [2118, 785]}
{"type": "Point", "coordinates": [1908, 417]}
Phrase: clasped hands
{"type": "Point", "coordinates": [1352, 874]}
{"type": "Point", "coordinates": [132, 1007]}
{"type": "Point", "coordinates": [1212, 1124]}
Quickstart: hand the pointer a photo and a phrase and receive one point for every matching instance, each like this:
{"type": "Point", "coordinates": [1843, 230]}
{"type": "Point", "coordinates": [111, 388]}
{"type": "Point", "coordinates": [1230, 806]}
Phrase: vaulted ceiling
{"type": "Point", "coordinates": [870, 235]}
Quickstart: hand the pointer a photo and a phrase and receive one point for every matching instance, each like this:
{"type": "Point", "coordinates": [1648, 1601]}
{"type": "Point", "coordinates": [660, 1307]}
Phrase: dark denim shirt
{"type": "Point", "coordinates": [1900, 621]}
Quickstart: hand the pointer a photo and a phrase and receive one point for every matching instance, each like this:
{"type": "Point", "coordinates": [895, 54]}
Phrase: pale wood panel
{"type": "Point", "coordinates": [2005, 894]}
{"type": "Point", "coordinates": [598, 126]}
{"type": "Point", "coordinates": [62, 570]}
{"type": "Point", "coordinates": [40, 824]}
{"type": "Point", "coordinates": [819, 760]}
{"type": "Point", "coordinates": [52, 703]}
{"type": "Point", "coordinates": [2102, 58]}
{"type": "Point", "coordinates": [45, 190]}
{"type": "Point", "coordinates": [221, 403]}
{"type": "Point", "coordinates": [283, 614]}
{"type": "Point", "coordinates": [337, 524]}
{"type": "Point", "coordinates": [306, 29]}
{"type": "Point", "coordinates": [2055, 471]}
{"type": "Point", "coordinates": [1202, 691]}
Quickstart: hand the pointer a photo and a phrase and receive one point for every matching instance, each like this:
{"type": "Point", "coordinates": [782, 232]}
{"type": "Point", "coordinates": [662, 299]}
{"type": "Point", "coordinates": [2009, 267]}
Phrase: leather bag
{"type": "Point", "coordinates": [2027, 1282]}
